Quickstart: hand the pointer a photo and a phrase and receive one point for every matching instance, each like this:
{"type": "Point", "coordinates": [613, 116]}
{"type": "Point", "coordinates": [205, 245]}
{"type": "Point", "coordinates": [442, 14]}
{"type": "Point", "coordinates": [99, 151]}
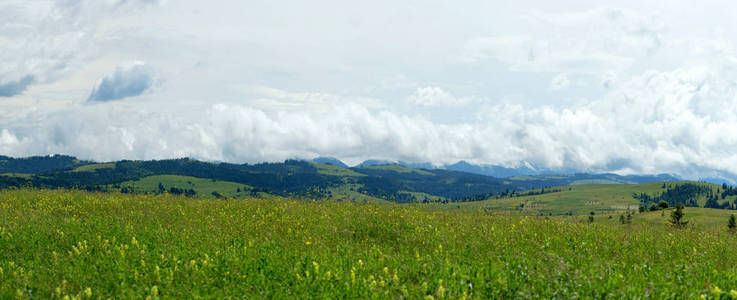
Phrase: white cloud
{"type": "Point", "coordinates": [435, 96]}
{"type": "Point", "coordinates": [297, 79]}
{"type": "Point", "coordinates": [128, 80]}
{"type": "Point", "coordinates": [609, 80]}
{"type": "Point", "coordinates": [560, 82]}
{"type": "Point", "coordinates": [679, 121]}
{"type": "Point", "coordinates": [583, 42]}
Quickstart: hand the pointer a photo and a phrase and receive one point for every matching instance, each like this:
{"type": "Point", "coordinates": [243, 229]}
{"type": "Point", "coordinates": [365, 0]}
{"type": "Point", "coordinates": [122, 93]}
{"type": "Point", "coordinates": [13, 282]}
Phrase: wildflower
{"type": "Point", "coordinates": [733, 294]}
{"type": "Point", "coordinates": [441, 289]}
{"type": "Point", "coordinates": [88, 292]}
{"type": "Point", "coordinates": [308, 243]}
{"type": "Point", "coordinates": [716, 290]}
{"type": "Point", "coordinates": [155, 290]}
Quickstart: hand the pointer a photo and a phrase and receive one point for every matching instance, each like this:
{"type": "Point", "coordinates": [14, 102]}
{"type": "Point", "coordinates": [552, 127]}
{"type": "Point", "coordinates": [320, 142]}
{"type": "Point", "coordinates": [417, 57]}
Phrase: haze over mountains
{"type": "Point", "coordinates": [494, 170]}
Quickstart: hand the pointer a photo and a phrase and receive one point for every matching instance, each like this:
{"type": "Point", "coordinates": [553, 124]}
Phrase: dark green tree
{"type": "Point", "coordinates": [676, 217]}
{"type": "Point", "coordinates": [591, 217]}
{"type": "Point", "coordinates": [732, 224]}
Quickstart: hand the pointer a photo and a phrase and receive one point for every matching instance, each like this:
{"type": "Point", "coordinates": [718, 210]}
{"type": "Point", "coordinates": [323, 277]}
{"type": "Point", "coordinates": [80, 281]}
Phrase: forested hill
{"type": "Point", "coordinates": [37, 164]}
{"type": "Point", "coordinates": [292, 177]}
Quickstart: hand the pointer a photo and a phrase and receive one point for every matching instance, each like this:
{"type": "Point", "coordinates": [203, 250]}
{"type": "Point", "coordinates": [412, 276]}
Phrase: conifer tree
{"type": "Point", "coordinates": [676, 217]}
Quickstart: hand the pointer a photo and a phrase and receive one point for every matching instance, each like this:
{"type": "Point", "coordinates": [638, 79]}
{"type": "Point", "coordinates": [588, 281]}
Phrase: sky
{"type": "Point", "coordinates": [631, 87]}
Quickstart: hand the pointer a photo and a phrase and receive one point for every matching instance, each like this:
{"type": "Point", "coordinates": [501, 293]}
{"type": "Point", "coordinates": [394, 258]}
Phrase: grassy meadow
{"type": "Point", "coordinates": [580, 199]}
{"type": "Point", "coordinates": [203, 187]}
{"type": "Point", "coordinates": [59, 244]}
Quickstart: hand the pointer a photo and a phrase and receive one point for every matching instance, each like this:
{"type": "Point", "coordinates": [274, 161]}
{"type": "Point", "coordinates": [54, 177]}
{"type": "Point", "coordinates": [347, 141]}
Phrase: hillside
{"type": "Point", "coordinates": [373, 182]}
{"type": "Point", "coordinates": [608, 198]}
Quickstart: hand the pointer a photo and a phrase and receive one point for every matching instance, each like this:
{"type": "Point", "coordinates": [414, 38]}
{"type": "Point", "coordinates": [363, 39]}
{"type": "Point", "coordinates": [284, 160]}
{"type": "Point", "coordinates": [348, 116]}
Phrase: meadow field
{"type": "Point", "coordinates": [71, 244]}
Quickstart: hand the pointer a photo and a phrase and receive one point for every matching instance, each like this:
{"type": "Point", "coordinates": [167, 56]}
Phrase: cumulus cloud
{"type": "Point", "coordinates": [435, 96]}
{"type": "Point", "coordinates": [653, 99]}
{"type": "Point", "coordinates": [46, 41]}
{"type": "Point", "coordinates": [128, 80]}
{"type": "Point", "coordinates": [678, 121]}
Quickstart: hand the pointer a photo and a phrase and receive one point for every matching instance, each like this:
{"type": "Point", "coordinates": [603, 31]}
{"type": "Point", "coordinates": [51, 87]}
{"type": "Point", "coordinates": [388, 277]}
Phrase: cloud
{"type": "Point", "coordinates": [609, 80]}
{"type": "Point", "coordinates": [584, 42]}
{"type": "Point", "coordinates": [560, 82]}
{"type": "Point", "coordinates": [47, 41]}
{"type": "Point", "coordinates": [677, 121]}
{"type": "Point", "coordinates": [12, 88]}
{"type": "Point", "coordinates": [649, 97]}
{"type": "Point", "coordinates": [128, 80]}
{"type": "Point", "coordinates": [40, 42]}
{"type": "Point", "coordinates": [435, 96]}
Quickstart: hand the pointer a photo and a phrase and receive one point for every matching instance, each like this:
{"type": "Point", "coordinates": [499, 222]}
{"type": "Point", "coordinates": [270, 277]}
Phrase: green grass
{"type": "Point", "coordinates": [702, 219]}
{"type": "Point", "coordinates": [93, 245]}
{"type": "Point", "coordinates": [350, 192]}
{"type": "Point", "coordinates": [93, 167]}
{"type": "Point", "coordinates": [203, 187]}
{"type": "Point", "coordinates": [336, 171]}
{"type": "Point", "coordinates": [579, 199]}
{"type": "Point", "coordinates": [582, 199]}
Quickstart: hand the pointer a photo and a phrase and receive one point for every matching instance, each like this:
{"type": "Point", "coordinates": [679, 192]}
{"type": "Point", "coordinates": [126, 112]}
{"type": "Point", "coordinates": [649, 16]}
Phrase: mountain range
{"type": "Point", "coordinates": [320, 178]}
{"type": "Point", "coordinates": [524, 169]}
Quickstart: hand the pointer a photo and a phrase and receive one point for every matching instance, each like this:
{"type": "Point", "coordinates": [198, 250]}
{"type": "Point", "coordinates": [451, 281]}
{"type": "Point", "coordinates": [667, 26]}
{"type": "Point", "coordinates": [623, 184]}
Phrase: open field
{"type": "Point", "coordinates": [336, 171]}
{"type": "Point", "coordinates": [96, 245]}
{"type": "Point", "coordinates": [93, 167]}
{"type": "Point", "coordinates": [581, 199]}
{"type": "Point", "coordinates": [203, 187]}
